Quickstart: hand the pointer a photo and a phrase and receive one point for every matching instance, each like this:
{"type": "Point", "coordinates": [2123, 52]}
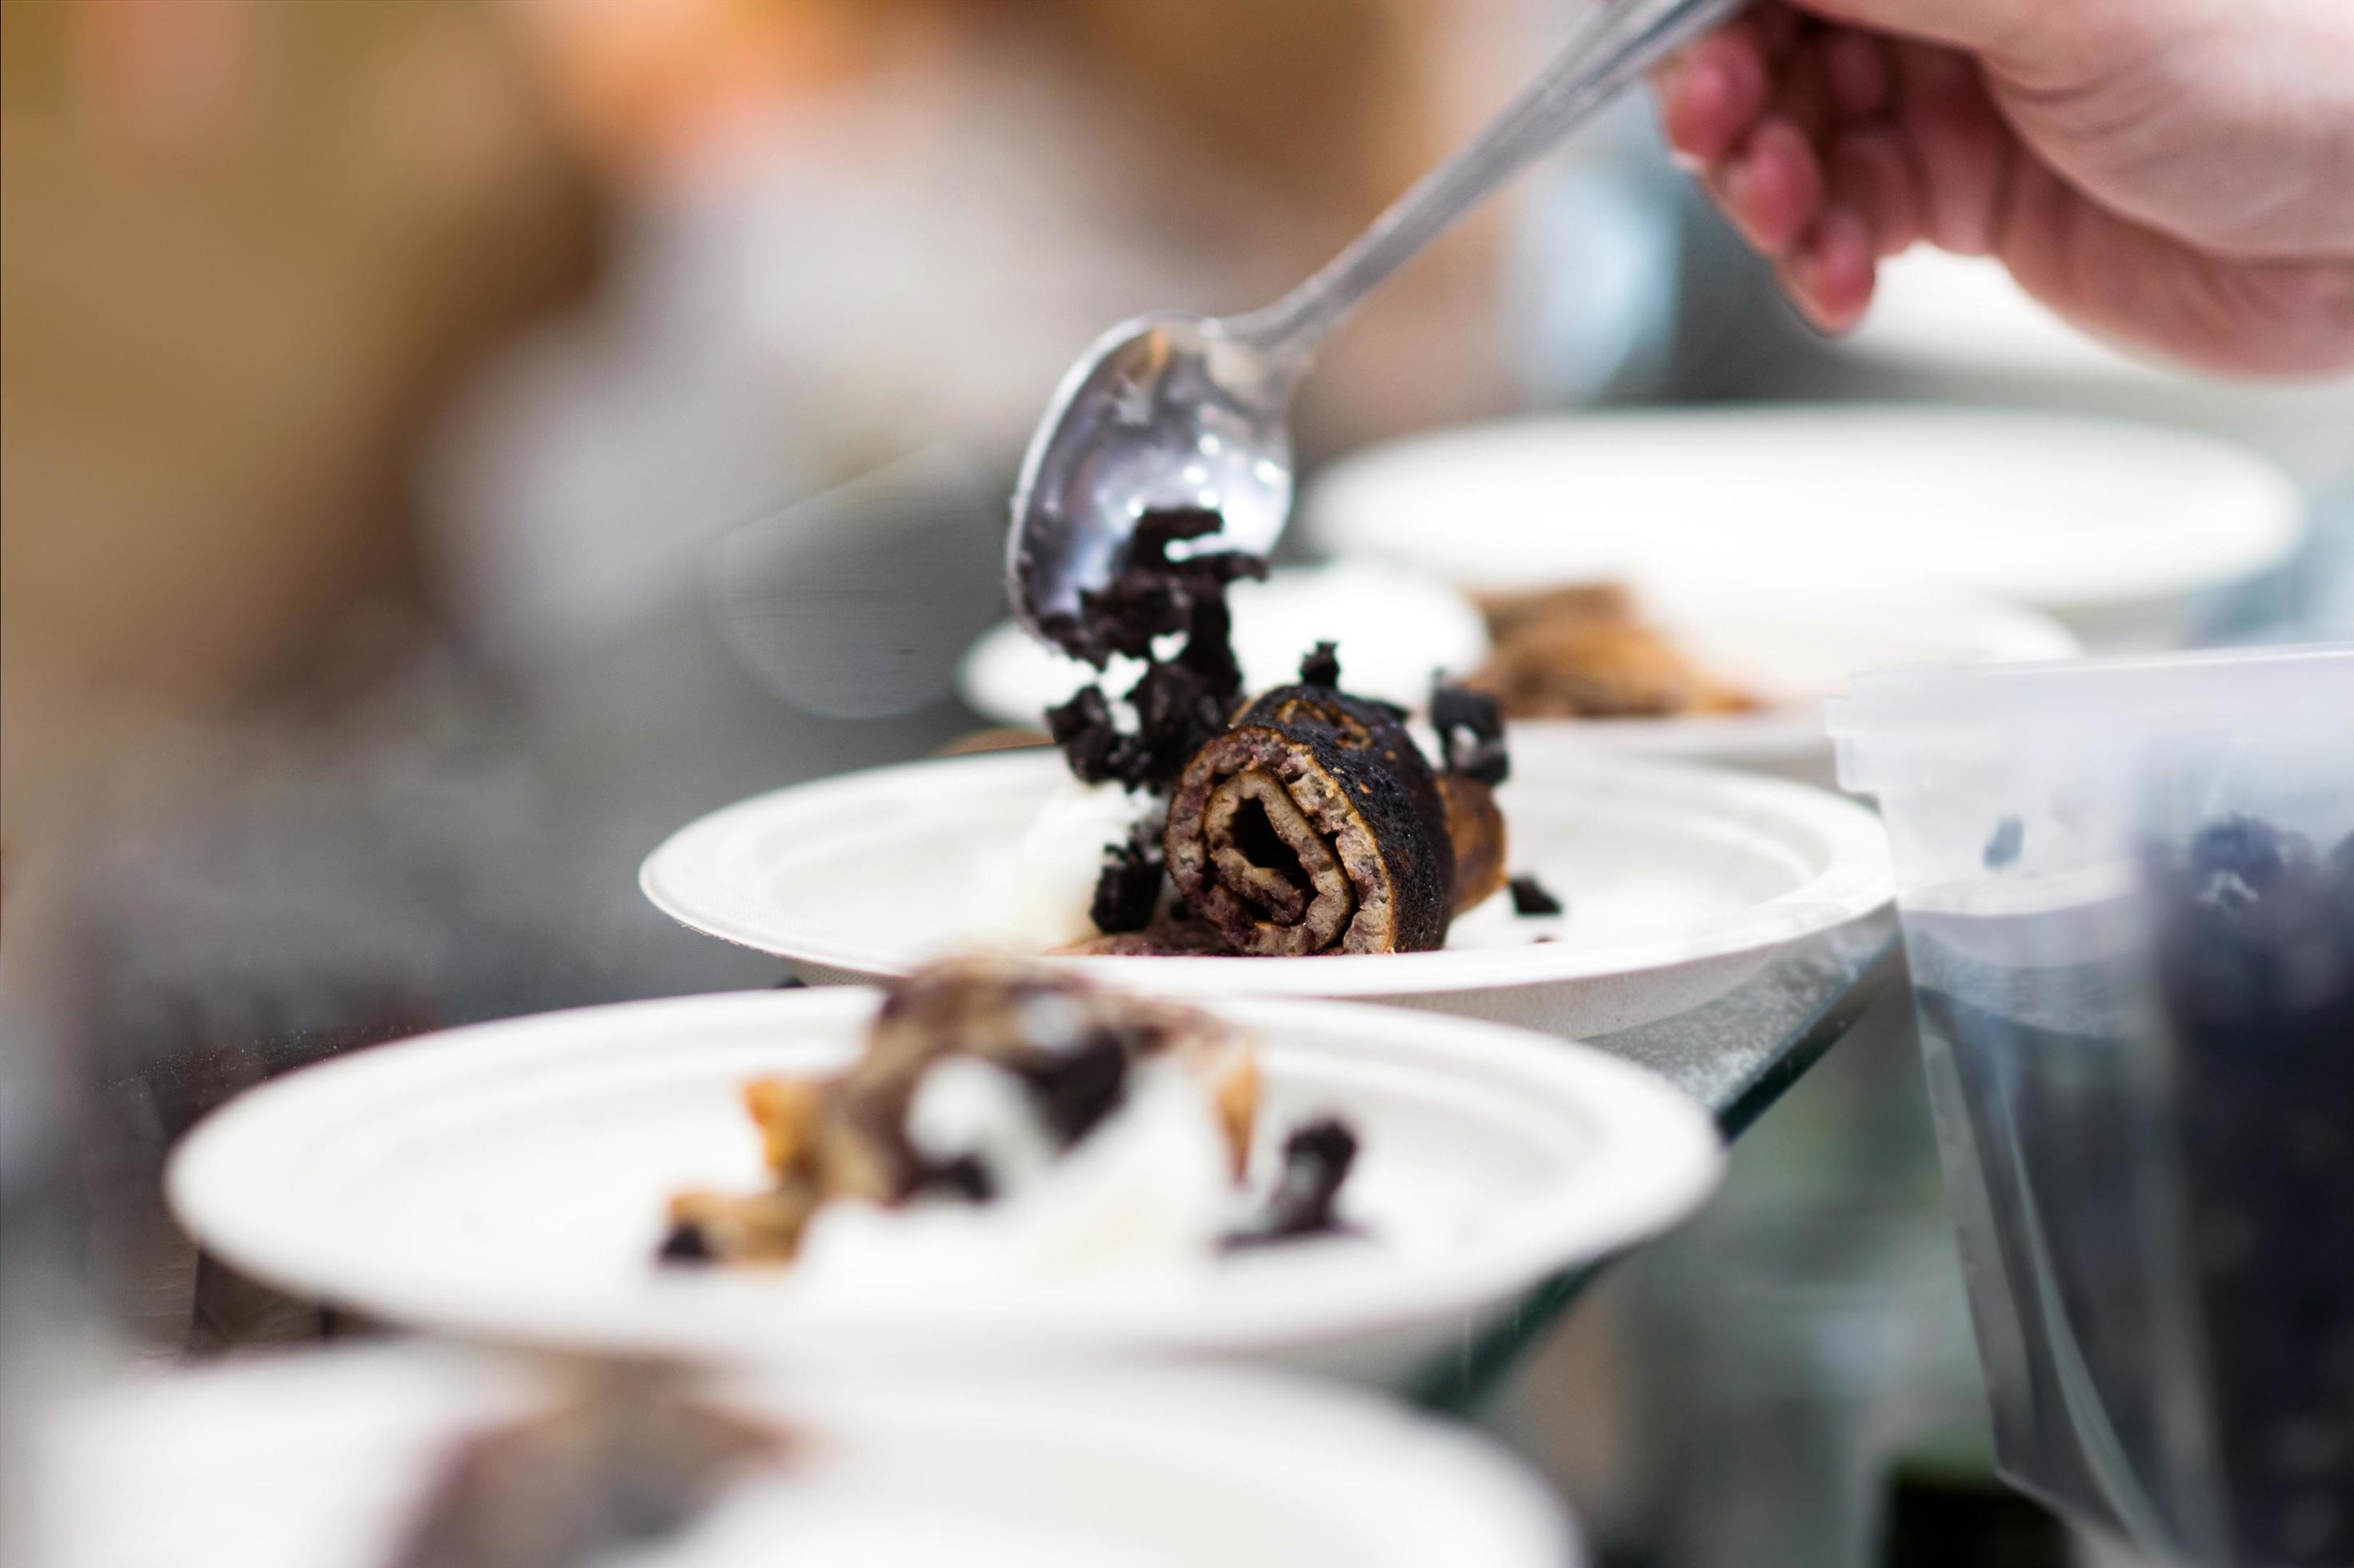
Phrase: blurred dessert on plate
{"type": "Point", "coordinates": [1015, 1120]}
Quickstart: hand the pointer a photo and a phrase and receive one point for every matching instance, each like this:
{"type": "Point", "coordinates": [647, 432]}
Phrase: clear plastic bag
{"type": "Point", "coordinates": [2127, 891]}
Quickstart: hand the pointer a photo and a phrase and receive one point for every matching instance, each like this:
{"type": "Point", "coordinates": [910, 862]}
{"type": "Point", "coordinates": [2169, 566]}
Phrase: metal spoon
{"type": "Point", "coordinates": [1171, 409]}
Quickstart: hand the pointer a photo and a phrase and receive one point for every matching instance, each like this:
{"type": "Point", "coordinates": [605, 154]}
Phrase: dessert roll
{"type": "Point", "coordinates": [1314, 825]}
{"type": "Point", "coordinates": [1055, 1056]}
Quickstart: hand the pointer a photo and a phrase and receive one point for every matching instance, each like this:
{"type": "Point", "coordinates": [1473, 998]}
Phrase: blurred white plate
{"type": "Point", "coordinates": [2110, 527]}
{"type": "Point", "coordinates": [1959, 328]}
{"type": "Point", "coordinates": [1395, 627]}
{"type": "Point", "coordinates": [1681, 883]}
{"type": "Point", "coordinates": [1792, 643]}
{"type": "Point", "coordinates": [319, 1461]}
{"type": "Point", "coordinates": [1965, 313]}
{"type": "Point", "coordinates": [511, 1180]}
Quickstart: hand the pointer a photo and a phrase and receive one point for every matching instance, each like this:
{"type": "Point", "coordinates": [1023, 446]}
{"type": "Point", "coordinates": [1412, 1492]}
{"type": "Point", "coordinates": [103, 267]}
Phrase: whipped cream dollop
{"type": "Point", "coordinates": [1038, 896]}
{"type": "Point", "coordinates": [1144, 1198]}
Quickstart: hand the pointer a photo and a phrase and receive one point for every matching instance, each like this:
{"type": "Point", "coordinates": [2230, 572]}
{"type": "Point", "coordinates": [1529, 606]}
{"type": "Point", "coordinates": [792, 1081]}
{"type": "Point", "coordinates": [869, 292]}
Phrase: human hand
{"type": "Point", "coordinates": [2177, 175]}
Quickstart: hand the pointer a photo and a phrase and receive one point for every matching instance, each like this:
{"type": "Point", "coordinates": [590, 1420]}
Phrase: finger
{"type": "Point", "coordinates": [1963, 153]}
{"type": "Point", "coordinates": [1867, 173]}
{"type": "Point", "coordinates": [1856, 73]}
{"type": "Point", "coordinates": [1830, 276]}
{"type": "Point", "coordinates": [1778, 29]}
{"type": "Point", "coordinates": [1802, 92]}
{"type": "Point", "coordinates": [2004, 28]}
{"type": "Point", "coordinates": [1771, 188]}
{"type": "Point", "coordinates": [1711, 95]}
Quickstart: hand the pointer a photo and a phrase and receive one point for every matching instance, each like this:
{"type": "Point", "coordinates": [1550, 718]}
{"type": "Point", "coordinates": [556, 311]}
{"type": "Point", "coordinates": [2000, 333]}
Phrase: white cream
{"type": "Point", "coordinates": [1142, 1199]}
{"type": "Point", "coordinates": [1038, 898]}
{"type": "Point", "coordinates": [965, 1108]}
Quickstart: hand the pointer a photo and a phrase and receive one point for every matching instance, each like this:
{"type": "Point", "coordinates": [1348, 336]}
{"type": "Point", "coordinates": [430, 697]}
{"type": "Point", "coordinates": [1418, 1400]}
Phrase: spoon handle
{"type": "Point", "coordinates": [1615, 47]}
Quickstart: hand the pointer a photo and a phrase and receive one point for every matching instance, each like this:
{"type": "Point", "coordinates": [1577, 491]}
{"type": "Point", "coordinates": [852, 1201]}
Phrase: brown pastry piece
{"type": "Point", "coordinates": [1314, 825]}
{"type": "Point", "coordinates": [760, 1227]}
{"type": "Point", "coordinates": [1509, 614]}
{"type": "Point", "coordinates": [1070, 1043]}
{"type": "Point", "coordinates": [1582, 667]}
{"type": "Point", "coordinates": [1475, 832]}
{"type": "Point", "coordinates": [625, 1461]}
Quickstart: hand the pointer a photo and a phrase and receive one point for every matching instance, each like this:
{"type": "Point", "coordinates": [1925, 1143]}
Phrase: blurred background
{"type": "Point", "coordinates": [446, 444]}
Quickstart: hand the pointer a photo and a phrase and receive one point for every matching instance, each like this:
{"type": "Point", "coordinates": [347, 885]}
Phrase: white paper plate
{"type": "Point", "coordinates": [511, 1180]}
{"type": "Point", "coordinates": [1395, 627]}
{"type": "Point", "coordinates": [320, 1460]}
{"type": "Point", "coordinates": [1795, 644]}
{"type": "Point", "coordinates": [2107, 525]}
{"type": "Point", "coordinates": [1791, 643]}
{"type": "Point", "coordinates": [1681, 883]}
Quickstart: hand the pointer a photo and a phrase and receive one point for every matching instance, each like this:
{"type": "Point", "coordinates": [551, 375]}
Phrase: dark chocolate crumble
{"type": "Point", "coordinates": [1073, 1090]}
{"type": "Point", "coordinates": [1128, 888]}
{"type": "Point", "coordinates": [685, 1243]}
{"type": "Point", "coordinates": [1530, 897]}
{"type": "Point", "coordinates": [964, 1177]}
{"type": "Point", "coordinates": [1471, 726]}
{"type": "Point", "coordinates": [1150, 595]}
{"type": "Point", "coordinates": [1182, 701]}
{"type": "Point", "coordinates": [1316, 1161]}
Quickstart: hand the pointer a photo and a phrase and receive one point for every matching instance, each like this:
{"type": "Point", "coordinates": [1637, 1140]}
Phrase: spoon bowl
{"type": "Point", "coordinates": [1163, 412]}
{"type": "Point", "coordinates": [1174, 410]}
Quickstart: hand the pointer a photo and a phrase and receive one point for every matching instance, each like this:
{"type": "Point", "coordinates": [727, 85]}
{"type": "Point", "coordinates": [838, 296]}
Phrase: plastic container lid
{"type": "Point", "coordinates": [1906, 728]}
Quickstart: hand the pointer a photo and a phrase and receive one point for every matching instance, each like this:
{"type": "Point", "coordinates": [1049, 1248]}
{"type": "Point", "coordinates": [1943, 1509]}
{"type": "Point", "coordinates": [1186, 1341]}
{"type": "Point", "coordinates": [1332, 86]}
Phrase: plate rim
{"type": "Point", "coordinates": [1855, 880]}
{"type": "Point", "coordinates": [1216, 1412]}
{"type": "Point", "coordinates": [1663, 1154]}
{"type": "Point", "coordinates": [2257, 545]}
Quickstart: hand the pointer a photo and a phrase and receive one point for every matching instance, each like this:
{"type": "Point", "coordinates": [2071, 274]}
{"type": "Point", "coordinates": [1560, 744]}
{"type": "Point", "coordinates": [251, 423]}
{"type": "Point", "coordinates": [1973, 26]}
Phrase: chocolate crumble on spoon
{"type": "Point", "coordinates": [1180, 702]}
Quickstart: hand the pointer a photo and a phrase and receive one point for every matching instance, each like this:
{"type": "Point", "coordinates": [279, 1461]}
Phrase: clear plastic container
{"type": "Point", "coordinates": [2127, 894]}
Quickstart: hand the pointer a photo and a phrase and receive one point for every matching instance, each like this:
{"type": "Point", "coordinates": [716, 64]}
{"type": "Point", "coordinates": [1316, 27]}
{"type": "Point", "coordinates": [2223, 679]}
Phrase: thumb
{"type": "Point", "coordinates": [2135, 285]}
{"type": "Point", "coordinates": [1998, 29]}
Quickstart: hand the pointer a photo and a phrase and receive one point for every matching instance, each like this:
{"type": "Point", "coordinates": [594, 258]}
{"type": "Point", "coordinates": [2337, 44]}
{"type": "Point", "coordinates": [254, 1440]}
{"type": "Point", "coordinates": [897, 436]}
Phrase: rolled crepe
{"type": "Point", "coordinates": [1314, 825]}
